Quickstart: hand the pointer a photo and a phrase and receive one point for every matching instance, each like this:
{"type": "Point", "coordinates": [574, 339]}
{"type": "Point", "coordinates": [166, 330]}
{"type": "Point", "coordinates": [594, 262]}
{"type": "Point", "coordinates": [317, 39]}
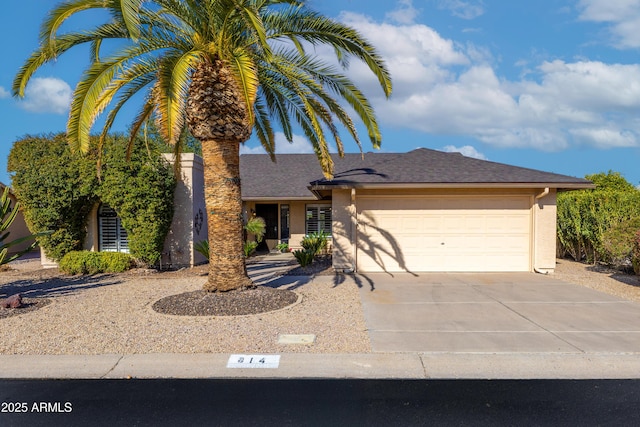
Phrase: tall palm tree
{"type": "Point", "coordinates": [221, 68]}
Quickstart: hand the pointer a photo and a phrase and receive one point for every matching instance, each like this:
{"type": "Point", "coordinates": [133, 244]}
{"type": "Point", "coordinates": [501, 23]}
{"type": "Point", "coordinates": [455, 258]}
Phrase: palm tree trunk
{"type": "Point", "coordinates": [227, 270]}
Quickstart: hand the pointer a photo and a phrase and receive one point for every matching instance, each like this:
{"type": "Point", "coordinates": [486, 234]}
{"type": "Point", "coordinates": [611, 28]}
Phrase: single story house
{"type": "Point", "coordinates": [421, 211]}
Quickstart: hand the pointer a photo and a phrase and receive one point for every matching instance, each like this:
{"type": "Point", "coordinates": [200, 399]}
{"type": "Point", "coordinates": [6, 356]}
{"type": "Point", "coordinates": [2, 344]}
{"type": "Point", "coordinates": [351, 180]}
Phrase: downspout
{"type": "Point", "coordinates": [544, 193]}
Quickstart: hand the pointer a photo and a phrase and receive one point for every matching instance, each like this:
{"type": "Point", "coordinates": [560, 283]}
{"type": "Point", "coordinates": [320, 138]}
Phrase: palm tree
{"type": "Point", "coordinates": [221, 69]}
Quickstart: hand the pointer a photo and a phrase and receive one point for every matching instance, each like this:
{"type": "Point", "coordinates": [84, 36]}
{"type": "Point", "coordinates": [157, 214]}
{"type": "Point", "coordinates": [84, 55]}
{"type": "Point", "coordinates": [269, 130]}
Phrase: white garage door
{"type": "Point", "coordinates": [444, 234]}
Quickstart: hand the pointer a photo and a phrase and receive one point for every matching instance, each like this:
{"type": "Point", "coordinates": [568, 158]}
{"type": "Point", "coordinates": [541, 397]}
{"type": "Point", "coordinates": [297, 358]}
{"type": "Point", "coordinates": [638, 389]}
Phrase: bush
{"type": "Point", "coordinates": [202, 247]}
{"type": "Point", "coordinates": [141, 191]}
{"type": "Point", "coordinates": [249, 247]}
{"type": "Point", "coordinates": [304, 257]}
{"type": "Point", "coordinates": [587, 218]}
{"type": "Point", "coordinates": [618, 242]}
{"type": "Point", "coordinates": [635, 256]}
{"type": "Point", "coordinates": [85, 262]}
{"type": "Point", "coordinates": [256, 226]}
{"type": "Point", "coordinates": [315, 242]}
{"type": "Point", "coordinates": [282, 247]}
{"type": "Point", "coordinates": [57, 190]}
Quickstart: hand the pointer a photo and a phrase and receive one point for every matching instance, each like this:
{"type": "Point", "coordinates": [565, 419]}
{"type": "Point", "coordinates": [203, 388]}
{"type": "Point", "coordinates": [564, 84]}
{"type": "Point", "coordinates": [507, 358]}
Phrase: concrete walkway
{"type": "Point", "coordinates": [436, 326]}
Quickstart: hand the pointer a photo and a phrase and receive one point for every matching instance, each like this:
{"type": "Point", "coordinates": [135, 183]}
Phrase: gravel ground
{"type": "Point", "coordinates": [600, 278]}
{"type": "Point", "coordinates": [113, 314]}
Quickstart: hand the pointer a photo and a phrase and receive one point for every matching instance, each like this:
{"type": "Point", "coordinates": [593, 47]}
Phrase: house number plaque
{"type": "Point", "coordinates": [254, 361]}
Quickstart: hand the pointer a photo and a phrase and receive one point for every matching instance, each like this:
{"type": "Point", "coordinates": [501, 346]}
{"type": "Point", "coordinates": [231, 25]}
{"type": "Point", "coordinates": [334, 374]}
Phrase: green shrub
{"type": "Point", "coordinates": [141, 191]}
{"type": "Point", "coordinates": [635, 256]}
{"type": "Point", "coordinates": [58, 189]}
{"type": "Point", "coordinates": [586, 216]}
{"type": "Point", "coordinates": [117, 262]}
{"type": "Point", "coordinates": [257, 227]}
{"type": "Point", "coordinates": [86, 262]}
{"type": "Point", "coordinates": [248, 247]}
{"type": "Point", "coordinates": [202, 247]}
{"type": "Point", "coordinates": [618, 242]}
{"type": "Point", "coordinates": [304, 257]}
{"type": "Point", "coordinates": [282, 247]}
{"type": "Point", "coordinates": [315, 242]}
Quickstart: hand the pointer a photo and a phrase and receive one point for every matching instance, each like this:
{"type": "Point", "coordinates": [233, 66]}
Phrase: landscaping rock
{"type": "Point", "coordinates": [14, 301]}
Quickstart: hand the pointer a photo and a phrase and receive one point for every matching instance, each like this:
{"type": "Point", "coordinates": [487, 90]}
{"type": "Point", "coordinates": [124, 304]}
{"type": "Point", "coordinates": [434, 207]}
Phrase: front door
{"type": "Point", "coordinates": [268, 212]}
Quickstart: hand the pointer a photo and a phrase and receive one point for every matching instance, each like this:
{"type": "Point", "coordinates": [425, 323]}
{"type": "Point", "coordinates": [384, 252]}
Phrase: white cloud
{"type": "Point", "coordinates": [466, 150]}
{"type": "Point", "coordinates": [444, 87]}
{"type": "Point", "coordinates": [405, 13]}
{"type": "Point", "coordinates": [4, 93]}
{"type": "Point", "coordinates": [622, 16]}
{"type": "Point", "coordinates": [47, 95]}
{"type": "Point", "coordinates": [463, 9]}
{"type": "Point", "coordinates": [299, 145]}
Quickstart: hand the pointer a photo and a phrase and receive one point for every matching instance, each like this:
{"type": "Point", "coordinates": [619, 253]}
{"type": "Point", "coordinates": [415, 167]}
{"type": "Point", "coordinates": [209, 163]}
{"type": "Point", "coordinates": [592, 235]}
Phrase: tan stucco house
{"type": "Point", "coordinates": [419, 211]}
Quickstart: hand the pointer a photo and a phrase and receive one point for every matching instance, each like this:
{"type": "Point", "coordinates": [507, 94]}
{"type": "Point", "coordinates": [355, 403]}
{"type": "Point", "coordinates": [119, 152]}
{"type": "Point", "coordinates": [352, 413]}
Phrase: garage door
{"type": "Point", "coordinates": [444, 234]}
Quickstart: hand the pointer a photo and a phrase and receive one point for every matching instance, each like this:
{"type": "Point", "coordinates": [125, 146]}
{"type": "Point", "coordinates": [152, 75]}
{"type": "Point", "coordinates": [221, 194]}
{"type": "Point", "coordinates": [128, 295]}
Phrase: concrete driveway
{"type": "Point", "coordinates": [495, 312]}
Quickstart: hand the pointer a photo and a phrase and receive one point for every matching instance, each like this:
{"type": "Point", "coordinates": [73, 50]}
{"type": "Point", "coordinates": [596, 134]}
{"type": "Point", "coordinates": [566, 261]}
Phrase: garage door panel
{"type": "Point", "coordinates": [444, 234]}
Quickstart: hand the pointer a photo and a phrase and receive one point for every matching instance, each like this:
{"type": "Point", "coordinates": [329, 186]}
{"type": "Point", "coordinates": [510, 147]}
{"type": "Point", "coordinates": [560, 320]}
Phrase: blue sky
{"type": "Point", "coordinates": [549, 84]}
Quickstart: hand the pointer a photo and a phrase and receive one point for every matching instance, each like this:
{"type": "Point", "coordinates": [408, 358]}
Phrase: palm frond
{"type": "Point", "coordinates": [170, 92]}
{"type": "Point", "coordinates": [245, 70]}
{"type": "Point", "coordinates": [131, 16]}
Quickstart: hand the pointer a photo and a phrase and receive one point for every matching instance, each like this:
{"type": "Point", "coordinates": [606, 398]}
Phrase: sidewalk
{"type": "Point", "coordinates": [338, 366]}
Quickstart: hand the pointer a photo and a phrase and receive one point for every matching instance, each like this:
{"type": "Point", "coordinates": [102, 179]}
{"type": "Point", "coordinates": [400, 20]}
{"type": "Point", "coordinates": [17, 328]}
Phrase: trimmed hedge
{"type": "Point", "coordinates": [86, 262]}
{"type": "Point", "coordinates": [635, 257]}
{"type": "Point", "coordinates": [598, 225]}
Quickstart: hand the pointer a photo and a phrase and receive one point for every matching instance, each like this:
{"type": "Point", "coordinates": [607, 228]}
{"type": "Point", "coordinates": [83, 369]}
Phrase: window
{"type": "Point", "coordinates": [318, 219]}
{"type": "Point", "coordinates": [113, 236]}
{"type": "Point", "coordinates": [284, 223]}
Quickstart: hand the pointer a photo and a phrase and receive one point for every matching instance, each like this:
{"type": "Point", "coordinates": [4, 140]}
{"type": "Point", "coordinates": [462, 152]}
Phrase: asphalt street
{"type": "Point", "coordinates": [281, 402]}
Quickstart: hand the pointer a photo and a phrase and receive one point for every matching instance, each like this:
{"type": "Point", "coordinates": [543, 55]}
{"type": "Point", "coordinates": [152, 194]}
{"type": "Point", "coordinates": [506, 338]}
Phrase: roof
{"type": "Point", "coordinates": [296, 176]}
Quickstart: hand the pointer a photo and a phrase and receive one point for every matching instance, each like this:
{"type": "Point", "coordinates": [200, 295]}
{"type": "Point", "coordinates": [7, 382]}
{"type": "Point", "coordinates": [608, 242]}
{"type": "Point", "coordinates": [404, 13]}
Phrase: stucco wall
{"type": "Point", "coordinates": [92, 240]}
{"type": "Point", "coordinates": [544, 225]}
{"type": "Point", "coordinates": [189, 223]}
{"type": "Point", "coordinates": [18, 228]}
{"type": "Point", "coordinates": [343, 223]}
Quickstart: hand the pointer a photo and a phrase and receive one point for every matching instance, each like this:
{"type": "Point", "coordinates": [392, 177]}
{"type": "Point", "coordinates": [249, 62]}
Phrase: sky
{"type": "Point", "coordinates": [552, 85]}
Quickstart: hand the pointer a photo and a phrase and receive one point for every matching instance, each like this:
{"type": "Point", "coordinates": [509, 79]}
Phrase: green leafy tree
{"type": "Point", "coordinates": [140, 189]}
{"type": "Point", "coordinates": [610, 181]}
{"type": "Point", "coordinates": [58, 189]}
{"type": "Point", "coordinates": [224, 68]}
{"type": "Point", "coordinates": [599, 224]}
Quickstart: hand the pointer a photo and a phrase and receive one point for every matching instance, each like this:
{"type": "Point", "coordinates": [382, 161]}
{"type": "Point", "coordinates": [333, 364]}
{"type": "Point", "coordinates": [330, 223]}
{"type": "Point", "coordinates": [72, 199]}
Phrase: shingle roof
{"type": "Point", "coordinates": [294, 174]}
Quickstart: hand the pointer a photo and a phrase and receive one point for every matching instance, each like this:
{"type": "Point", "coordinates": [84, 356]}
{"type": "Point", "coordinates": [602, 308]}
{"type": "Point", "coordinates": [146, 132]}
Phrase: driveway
{"type": "Point", "coordinates": [495, 312]}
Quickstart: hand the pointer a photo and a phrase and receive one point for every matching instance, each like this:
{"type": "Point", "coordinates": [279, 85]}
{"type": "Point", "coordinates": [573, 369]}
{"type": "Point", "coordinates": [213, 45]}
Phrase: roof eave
{"type": "Point", "coordinates": [277, 198]}
{"type": "Point", "coordinates": [422, 185]}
